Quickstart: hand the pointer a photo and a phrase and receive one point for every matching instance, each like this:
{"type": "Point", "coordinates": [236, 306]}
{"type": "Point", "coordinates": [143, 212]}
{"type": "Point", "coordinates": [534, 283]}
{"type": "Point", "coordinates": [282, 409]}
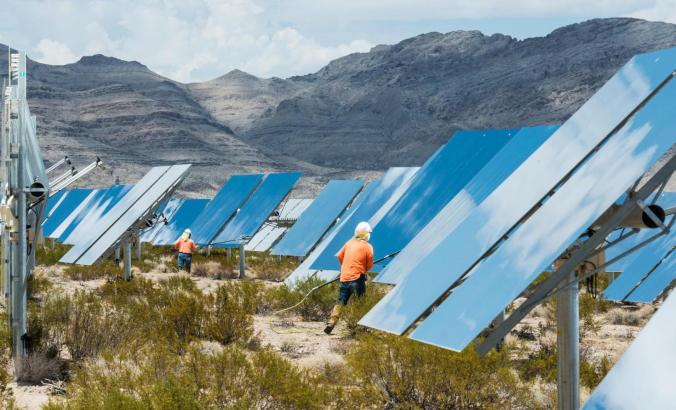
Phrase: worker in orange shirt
{"type": "Point", "coordinates": [185, 247]}
{"type": "Point", "coordinates": [356, 258]}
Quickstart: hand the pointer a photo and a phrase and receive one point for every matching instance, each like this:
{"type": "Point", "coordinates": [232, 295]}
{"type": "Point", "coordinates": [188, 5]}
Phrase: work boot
{"type": "Point", "coordinates": [335, 315]}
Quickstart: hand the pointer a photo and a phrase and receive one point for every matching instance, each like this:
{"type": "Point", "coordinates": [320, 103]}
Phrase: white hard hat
{"type": "Point", "coordinates": [363, 227]}
{"type": "Point", "coordinates": [188, 231]}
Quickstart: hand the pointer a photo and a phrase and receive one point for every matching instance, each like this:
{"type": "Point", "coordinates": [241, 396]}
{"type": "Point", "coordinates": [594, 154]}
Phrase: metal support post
{"type": "Point", "coordinates": [229, 253]}
{"type": "Point", "coordinates": [138, 247]}
{"type": "Point", "coordinates": [118, 254]}
{"type": "Point", "coordinates": [19, 277]}
{"type": "Point", "coordinates": [568, 344]}
{"type": "Point", "coordinates": [242, 262]}
{"type": "Point", "coordinates": [126, 244]}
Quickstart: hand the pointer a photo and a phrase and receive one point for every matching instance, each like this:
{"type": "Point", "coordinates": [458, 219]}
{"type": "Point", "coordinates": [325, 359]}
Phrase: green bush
{"type": "Point", "coordinates": [316, 307]}
{"type": "Point", "coordinates": [398, 372]}
{"type": "Point", "coordinates": [229, 315]}
{"type": "Point", "coordinates": [50, 253]}
{"type": "Point", "coordinates": [106, 269]}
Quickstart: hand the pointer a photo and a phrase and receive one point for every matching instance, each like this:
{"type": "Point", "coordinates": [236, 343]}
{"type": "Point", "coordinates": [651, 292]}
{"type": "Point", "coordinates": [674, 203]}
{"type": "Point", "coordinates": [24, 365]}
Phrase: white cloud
{"type": "Point", "coordinates": [54, 52]}
{"type": "Point", "coordinates": [192, 40]}
{"type": "Point", "coordinates": [659, 10]}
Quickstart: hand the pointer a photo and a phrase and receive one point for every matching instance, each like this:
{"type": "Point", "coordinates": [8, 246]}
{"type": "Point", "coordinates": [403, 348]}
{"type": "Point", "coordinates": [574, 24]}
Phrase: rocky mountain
{"type": "Point", "coordinates": [358, 115]}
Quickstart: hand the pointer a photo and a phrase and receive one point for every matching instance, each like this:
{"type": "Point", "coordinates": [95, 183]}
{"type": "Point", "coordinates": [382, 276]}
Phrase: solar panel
{"type": "Point", "coordinates": [480, 186]}
{"type": "Point", "coordinates": [222, 207]}
{"type": "Point", "coordinates": [642, 264]}
{"type": "Point", "coordinates": [180, 220]}
{"type": "Point", "coordinates": [437, 181]}
{"type": "Point", "coordinates": [657, 281]}
{"type": "Point", "coordinates": [167, 209]}
{"type": "Point", "coordinates": [318, 218]}
{"type": "Point", "coordinates": [53, 201]}
{"type": "Point", "coordinates": [256, 210]}
{"type": "Point", "coordinates": [145, 195]}
{"type": "Point", "coordinates": [522, 190]}
{"type": "Point", "coordinates": [68, 203]}
{"type": "Point", "coordinates": [293, 208]}
{"type": "Point", "coordinates": [378, 197]}
{"type": "Point", "coordinates": [265, 238]}
{"type": "Point", "coordinates": [80, 209]}
{"type": "Point", "coordinates": [666, 200]}
{"type": "Point", "coordinates": [643, 378]}
{"type": "Point", "coordinates": [580, 201]}
{"type": "Point", "coordinates": [99, 204]}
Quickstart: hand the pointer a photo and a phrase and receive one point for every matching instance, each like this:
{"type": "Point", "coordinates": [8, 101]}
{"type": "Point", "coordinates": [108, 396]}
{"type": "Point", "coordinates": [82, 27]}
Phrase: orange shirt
{"type": "Point", "coordinates": [356, 258]}
{"type": "Point", "coordinates": [185, 246]}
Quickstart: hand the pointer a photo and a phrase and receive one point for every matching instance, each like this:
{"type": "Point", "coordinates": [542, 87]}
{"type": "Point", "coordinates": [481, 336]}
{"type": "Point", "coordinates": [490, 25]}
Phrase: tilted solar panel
{"type": "Point", "coordinates": [146, 195]}
{"type": "Point", "coordinates": [256, 210]}
{"type": "Point", "coordinates": [223, 206]}
{"type": "Point", "coordinates": [180, 220]}
{"type": "Point", "coordinates": [524, 142]}
{"type": "Point", "coordinates": [658, 280]}
{"type": "Point", "coordinates": [69, 202]}
{"type": "Point", "coordinates": [436, 183]}
{"type": "Point", "coordinates": [98, 206]}
{"type": "Point", "coordinates": [644, 261]}
{"type": "Point", "coordinates": [563, 218]}
{"type": "Point", "coordinates": [378, 197]}
{"type": "Point", "coordinates": [318, 218]}
{"type": "Point", "coordinates": [76, 213]}
{"type": "Point", "coordinates": [165, 212]}
{"type": "Point", "coordinates": [643, 378]}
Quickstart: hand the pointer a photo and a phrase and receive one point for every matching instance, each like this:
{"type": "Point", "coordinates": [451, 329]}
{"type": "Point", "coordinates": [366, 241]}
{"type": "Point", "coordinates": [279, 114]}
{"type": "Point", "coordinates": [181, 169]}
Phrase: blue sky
{"type": "Point", "coordinates": [196, 40]}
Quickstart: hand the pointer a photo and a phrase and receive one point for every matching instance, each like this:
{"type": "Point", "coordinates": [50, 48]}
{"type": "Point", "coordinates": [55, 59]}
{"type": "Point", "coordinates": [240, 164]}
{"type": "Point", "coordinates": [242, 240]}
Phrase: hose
{"type": "Point", "coordinates": [307, 295]}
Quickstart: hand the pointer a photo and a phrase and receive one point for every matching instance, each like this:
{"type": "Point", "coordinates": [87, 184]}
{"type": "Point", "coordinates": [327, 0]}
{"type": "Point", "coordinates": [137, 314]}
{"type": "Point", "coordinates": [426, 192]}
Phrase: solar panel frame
{"type": "Point", "coordinates": [317, 219]}
{"type": "Point", "coordinates": [167, 209]}
{"type": "Point", "coordinates": [142, 199]}
{"type": "Point", "coordinates": [659, 279]}
{"type": "Point", "coordinates": [501, 211]}
{"type": "Point", "coordinates": [566, 215]}
{"type": "Point", "coordinates": [520, 147]}
{"type": "Point", "coordinates": [232, 195]}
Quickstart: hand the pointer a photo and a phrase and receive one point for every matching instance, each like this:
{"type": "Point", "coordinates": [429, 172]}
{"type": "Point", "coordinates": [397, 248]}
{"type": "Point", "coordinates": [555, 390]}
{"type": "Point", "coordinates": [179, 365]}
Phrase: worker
{"type": "Point", "coordinates": [356, 258]}
{"type": "Point", "coordinates": [185, 247]}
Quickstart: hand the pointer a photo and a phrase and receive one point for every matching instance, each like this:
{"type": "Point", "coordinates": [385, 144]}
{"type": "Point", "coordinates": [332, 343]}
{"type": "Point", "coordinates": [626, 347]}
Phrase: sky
{"type": "Point", "coordinates": [198, 40]}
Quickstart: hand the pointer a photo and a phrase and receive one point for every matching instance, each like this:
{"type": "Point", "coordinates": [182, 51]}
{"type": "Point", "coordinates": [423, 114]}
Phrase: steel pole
{"type": "Point", "coordinates": [126, 245]}
{"type": "Point", "coordinates": [242, 262]}
{"type": "Point", "coordinates": [568, 343]}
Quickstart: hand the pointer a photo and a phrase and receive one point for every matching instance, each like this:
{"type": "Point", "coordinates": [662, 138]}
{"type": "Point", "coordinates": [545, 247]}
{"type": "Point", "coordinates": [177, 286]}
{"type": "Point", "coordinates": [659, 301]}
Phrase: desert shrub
{"type": "Point", "coordinates": [592, 374]}
{"type": "Point", "coordinates": [41, 366]}
{"type": "Point", "coordinates": [621, 317]}
{"type": "Point", "coordinates": [270, 267]}
{"type": "Point", "coordinates": [161, 379]}
{"type": "Point", "coordinates": [315, 308]}
{"type": "Point", "coordinates": [590, 309]}
{"type": "Point", "coordinates": [38, 285]}
{"type": "Point", "coordinates": [230, 310]}
{"type": "Point", "coordinates": [403, 373]}
{"type": "Point", "coordinates": [50, 253]}
{"type": "Point", "coordinates": [107, 269]}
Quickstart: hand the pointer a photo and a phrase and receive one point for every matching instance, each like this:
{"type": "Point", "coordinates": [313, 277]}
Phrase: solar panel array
{"type": "Point", "coordinates": [318, 218]}
{"type": "Point", "coordinates": [621, 151]}
{"type": "Point", "coordinates": [293, 208]}
{"type": "Point", "coordinates": [180, 220]}
{"type": "Point", "coordinates": [265, 238]}
{"type": "Point", "coordinates": [138, 202]}
{"type": "Point", "coordinates": [64, 207]}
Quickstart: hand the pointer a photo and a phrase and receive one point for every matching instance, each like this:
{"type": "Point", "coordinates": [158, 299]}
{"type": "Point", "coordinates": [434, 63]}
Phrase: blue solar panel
{"type": "Point", "coordinates": [666, 201]}
{"type": "Point", "coordinates": [70, 201]}
{"type": "Point", "coordinates": [377, 197]}
{"type": "Point", "coordinates": [318, 218]}
{"type": "Point", "coordinates": [590, 191]}
{"type": "Point", "coordinates": [166, 212]}
{"type": "Point", "coordinates": [484, 182]}
{"type": "Point", "coordinates": [180, 220]}
{"type": "Point", "coordinates": [658, 280]}
{"type": "Point", "coordinates": [644, 376]}
{"type": "Point", "coordinates": [463, 245]}
{"type": "Point", "coordinates": [75, 214]}
{"type": "Point", "coordinates": [643, 263]}
{"type": "Point", "coordinates": [222, 207]}
{"type": "Point", "coordinates": [97, 206]}
{"type": "Point", "coordinates": [256, 210]}
{"type": "Point", "coordinates": [52, 201]}
{"type": "Point", "coordinates": [436, 183]}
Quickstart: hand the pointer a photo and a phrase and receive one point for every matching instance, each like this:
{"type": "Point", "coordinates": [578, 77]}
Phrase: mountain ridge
{"type": "Point", "coordinates": [356, 116]}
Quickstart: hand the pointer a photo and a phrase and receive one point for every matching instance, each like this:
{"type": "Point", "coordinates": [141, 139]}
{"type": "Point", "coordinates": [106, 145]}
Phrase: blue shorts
{"type": "Point", "coordinates": [346, 289]}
